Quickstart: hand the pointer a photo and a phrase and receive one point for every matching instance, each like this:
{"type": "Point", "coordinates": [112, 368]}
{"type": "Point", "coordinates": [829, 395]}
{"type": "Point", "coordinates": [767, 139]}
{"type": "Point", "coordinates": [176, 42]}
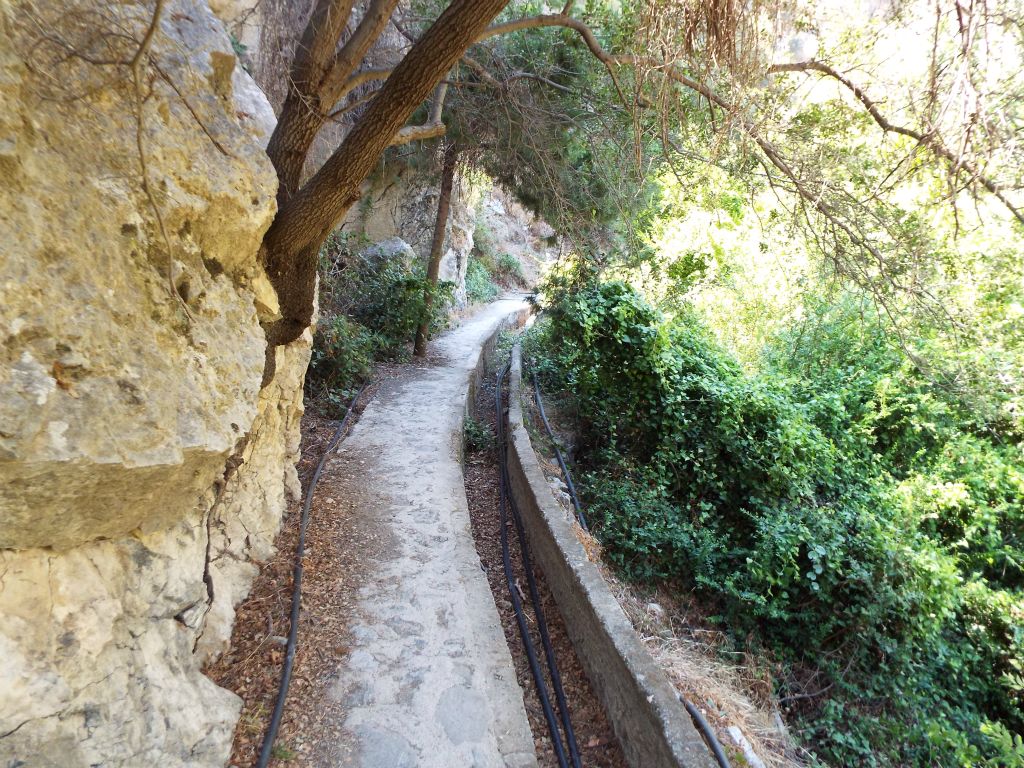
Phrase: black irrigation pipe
{"type": "Point", "coordinates": [293, 630]}
{"type": "Point", "coordinates": [709, 733]}
{"type": "Point", "coordinates": [558, 456]}
{"type": "Point", "coordinates": [508, 503]}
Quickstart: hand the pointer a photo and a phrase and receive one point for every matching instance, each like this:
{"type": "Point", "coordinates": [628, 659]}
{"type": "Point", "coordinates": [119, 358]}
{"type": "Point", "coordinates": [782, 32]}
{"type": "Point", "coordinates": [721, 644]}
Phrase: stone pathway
{"type": "Point", "coordinates": [427, 681]}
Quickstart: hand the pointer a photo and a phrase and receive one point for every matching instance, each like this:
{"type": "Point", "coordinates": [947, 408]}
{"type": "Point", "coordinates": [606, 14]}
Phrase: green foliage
{"type": "Point", "coordinates": [480, 287]}
{"type": "Point", "coordinates": [282, 752]}
{"type": "Point", "coordinates": [343, 355]}
{"type": "Point", "coordinates": [836, 505]}
{"type": "Point", "coordinates": [239, 48]}
{"type": "Point", "coordinates": [485, 265]}
{"type": "Point", "coordinates": [478, 436]}
{"type": "Point", "coordinates": [483, 246]}
{"type": "Point", "coordinates": [385, 295]}
{"type": "Point", "coordinates": [392, 301]}
{"type": "Point", "coordinates": [241, 52]}
{"type": "Point", "coordinates": [510, 270]}
{"type": "Point", "coordinates": [370, 311]}
{"type": "Point", "coordinates": [1007, 748]}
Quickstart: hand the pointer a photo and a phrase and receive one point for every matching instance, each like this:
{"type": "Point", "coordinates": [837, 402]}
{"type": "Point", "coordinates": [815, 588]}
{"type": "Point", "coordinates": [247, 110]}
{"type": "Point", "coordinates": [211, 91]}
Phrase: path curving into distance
{"type": "Point", "coordinates": [427, 680]}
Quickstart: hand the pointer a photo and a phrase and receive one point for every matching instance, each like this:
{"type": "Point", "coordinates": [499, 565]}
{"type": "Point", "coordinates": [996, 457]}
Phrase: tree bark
{"type": "Point", "coordinates": [290, 246]}
{"type": "Point", "coordinates": [316, 82]}
{"type": "Point", "coordinates": [444, 201]}
{"type": "Point", "coordinates": [303, 114]}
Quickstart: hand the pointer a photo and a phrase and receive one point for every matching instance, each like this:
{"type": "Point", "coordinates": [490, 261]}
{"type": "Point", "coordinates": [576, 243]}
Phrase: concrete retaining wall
{"type": "Point", "coordinates": [644, 709]}
{"type": "Point", "coordinates": [486, 354]}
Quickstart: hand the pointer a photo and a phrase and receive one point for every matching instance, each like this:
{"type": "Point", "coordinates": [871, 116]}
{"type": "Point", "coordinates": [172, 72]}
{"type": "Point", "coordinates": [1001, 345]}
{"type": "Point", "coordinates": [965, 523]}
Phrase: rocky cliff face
{"type": "Point", "coordinates": [404, 205]}
{"type": "Point", "coordinates": [142, 469]}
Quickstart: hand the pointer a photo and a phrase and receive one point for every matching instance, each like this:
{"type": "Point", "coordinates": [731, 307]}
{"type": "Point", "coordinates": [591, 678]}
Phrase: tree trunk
{"type": "Point", "coordinates": [437, 246]}
{"type": "Point", "coordinates": [302, 117]}
{"type": "Point", "coordinates": [316, 81]}
{"type": "Point", "coordinates": [290, 246]}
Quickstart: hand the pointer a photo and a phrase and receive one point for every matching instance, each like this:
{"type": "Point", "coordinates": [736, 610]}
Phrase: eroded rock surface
{"type": "Point", "coordinates": [404, 206]}
{"type": "Point", "coordinates": [142, 469]}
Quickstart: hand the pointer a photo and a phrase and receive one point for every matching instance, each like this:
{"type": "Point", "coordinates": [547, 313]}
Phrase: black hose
{"type": "Point", "coordinates": [508, 503]}
{"type": "Point", "coordinates": [709, 733]}
{"type": "Point", "coordinates": [558, 456]}
{"type": "Point", "coordinates": [293, 630]}
{"type": "Point", "coordinates": [549, 652]}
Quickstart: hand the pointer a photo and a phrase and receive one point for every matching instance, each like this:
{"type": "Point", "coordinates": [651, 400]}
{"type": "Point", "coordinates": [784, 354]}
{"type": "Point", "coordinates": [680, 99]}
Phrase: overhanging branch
{"type": "Point", "coordinates": [931, 139]}
{"type": "Point", "coordinates": [672, 71]}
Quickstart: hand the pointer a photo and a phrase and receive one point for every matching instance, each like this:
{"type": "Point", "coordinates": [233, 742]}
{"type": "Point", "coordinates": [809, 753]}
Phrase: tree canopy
{"type": "Point", "coordinates": [793, 295]}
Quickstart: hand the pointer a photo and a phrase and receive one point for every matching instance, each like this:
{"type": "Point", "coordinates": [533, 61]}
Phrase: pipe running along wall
{"type": "Point", "coordinates": [644, 708]}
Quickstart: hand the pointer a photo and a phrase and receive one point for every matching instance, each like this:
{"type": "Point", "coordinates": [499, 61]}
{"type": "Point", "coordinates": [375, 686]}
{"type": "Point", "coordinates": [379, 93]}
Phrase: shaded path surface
{"type": "Point", "coordinates": [427, 679]}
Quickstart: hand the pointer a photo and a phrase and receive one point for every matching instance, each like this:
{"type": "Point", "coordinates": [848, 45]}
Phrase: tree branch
{"type": "Point", "coordinates": [362, 78]}
{"type": "Point", "coordinates": [291, 244]}
{"type": "Point", "coordinates": [562, 20]}
{"type": "Point", "coordinates": [432, 128]}
{"type": "Point", "coordinates": [304, 111]}
{"type": "Point", "coordinates": [316, 47]}
{"type": "Point", "coordinates": [930, 139]}
{"type": "Point", "coordinates": [417, 132]}
{"type": "Point", "coordinates": [355, 49]}
{"type": "Point", "coordinates": [611, 61]}
{"type": "Point", "coordinates": [147, 39]}
{"type": "Point", "coordinates": [481, 71]}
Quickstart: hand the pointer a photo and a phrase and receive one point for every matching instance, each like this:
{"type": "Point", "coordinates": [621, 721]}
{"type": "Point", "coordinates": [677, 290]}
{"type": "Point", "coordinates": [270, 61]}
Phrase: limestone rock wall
{"type": "Point", "coordinates": [143, 472]}
{"type": "Point", "coordinates": [403, 204]}
{"type": "Point", "coordinates": [509, 228]}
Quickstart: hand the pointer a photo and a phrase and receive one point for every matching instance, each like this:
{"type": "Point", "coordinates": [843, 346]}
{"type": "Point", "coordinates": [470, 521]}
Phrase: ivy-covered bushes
{"type": "Point", "coordinates": [370, 309]}
{"type": "Point", "coordinates": [480, 287]}
{"type": "Point", "coordinates": [833, 508]}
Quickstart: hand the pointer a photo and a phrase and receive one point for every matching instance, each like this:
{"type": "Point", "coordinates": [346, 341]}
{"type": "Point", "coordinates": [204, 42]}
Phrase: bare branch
{"type": "Point", "coordinates": [432, 128]}
{"type": "Point", "coordinates": [481, 71]}
{"type": "Point", "coordinates": [355, 49]}
{"type": "Point", "coordinates": [362, 78]}
{"type": "Point", "coordinates": [137, 63]}
{"type": "Point", "coordinates": [148, 37]}
{"type": "Point", "coordinates": [417, 132]}
{"type": "Point", "coordinates": [531, 76]}
{"type": "Point", "coordinates": [437, 102]}
{"type": "Point", "coordinates": [550, 20]}
{"type": "Point", "coordinates": [930, 139]}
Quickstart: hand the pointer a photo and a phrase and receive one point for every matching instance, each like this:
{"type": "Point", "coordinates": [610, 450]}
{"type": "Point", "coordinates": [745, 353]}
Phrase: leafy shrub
{"type": "Point", "coordinates": [510, 270]}
{"type": "Point", "coordinates": [384, 295]}
{"type": "Point", "coordinates": [478, 436]}
{"type": "Point", "coordinates": [834, 506]}
{"type": "Point", "coordinates": [370, 311]}
{"type": "Point", "coordinates": [342, 357]}
{"type": "Point", "coordinates": [483, 246]}
{"type": "Point", "coordinates": [392, 301]}
{"type": "Point", "coordinates": [480, 287]}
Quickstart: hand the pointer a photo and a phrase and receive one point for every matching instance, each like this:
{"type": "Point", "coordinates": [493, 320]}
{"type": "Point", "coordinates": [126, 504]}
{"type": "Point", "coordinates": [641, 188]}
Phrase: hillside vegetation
{"type": "Point", "coordinates": [789, 313]}
{"type": "Point", "coordinates": [833, 507]}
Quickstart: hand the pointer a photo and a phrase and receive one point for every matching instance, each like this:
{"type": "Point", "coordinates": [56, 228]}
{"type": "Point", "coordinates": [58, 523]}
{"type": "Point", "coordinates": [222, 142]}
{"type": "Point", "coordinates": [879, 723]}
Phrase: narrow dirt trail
{"type": "Point", "coordinates": [424, 677]}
